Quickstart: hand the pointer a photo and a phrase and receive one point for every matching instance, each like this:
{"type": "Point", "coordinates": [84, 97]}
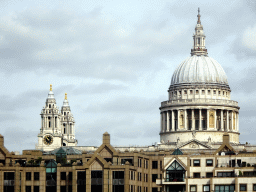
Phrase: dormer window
{"type": "Point", "coordinates": [203, 92]}
{"type": "Point", "coordinates": [197, 92]}
{"type": "Point", "coordinates": [185, 92]}
{"type": "Point", "coordinates": [191, 92]}
{"type": "Point", "coordinates": [209, 92]}
{"type": "Point", "coordinates": [214, 92]}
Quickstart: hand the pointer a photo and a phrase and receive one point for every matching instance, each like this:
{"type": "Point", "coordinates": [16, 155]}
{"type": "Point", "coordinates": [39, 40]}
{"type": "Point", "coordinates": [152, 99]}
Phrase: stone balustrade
{"type": "Point", "coordinates": [200, 101]}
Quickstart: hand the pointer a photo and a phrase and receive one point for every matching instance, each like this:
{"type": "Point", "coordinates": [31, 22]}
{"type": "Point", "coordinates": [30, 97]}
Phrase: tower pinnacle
{"type": "Point", "coordinates": [50, 87]}
{"type": "Point", "coordinates": [198, 15]}
{"type": "Point", "coordinates": [199, 38]}
{"type": "Point", "coordinates": [66, 97]}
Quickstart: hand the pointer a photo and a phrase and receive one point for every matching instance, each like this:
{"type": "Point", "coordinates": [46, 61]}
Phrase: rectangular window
{"type": "Point", "coordinates": [70, 176]}
{"type": "Point", "coordinates": [254, 187]}
{"type": "Point", "coordinates": [28, 188]}
{"type": "Point", "coordinates": [36, 188]}
{"type": "Point", "coordinates": [209, 174]}
{"type": "Point", "coordinates": [154, 164]}
{"type": "Point", "coordinates": [154, 177]}
{"type": "Point", "coordinates": [63, 175]}
{"type": "Point", "coordinates": [28, 176]}
{"type": "Point", "coordinates": [206, 188]}
{"type": "Point", "coordinates": [36, 176]}
{"type": "Point", "coordinates": [63, 188]}
{"type": "Point", "coordinates": [196, 175]}
{"type": "Point", "coordinates": [224, 188]}
{"type": "Point", "coordinates": [197, 92]}
{"type": "Point", "coordinates": [243, 187]}
{"type": "Point", "coordinates": [214, 92]}
{"type": "Point", "coordinates": [196, 163]}
{"type": "Point", "coordinates": [191, 92]}
{"type": "Point", "coordinates": [8, 175]}
{"type": "Point", "coordinates": [219, 92]}
{"type": "Point", "coordinates": [192, 188]}
{"type": "Point", "coordinates": [209, 92]}
{"type": "Point", "coordinates": [185, 92]}
{"type": "Point", "coordinates": [203, 92]}
{"type": "Point", "coordinates": [209, 162]}
{"type": "Point", "coordinates": [225, 174]}
{"type": "Point", "coordinates": [179, 92]}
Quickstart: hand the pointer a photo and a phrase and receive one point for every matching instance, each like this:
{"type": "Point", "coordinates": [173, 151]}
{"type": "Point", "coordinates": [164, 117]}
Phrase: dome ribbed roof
{"type": "Point", "coordinates": [199, 70]}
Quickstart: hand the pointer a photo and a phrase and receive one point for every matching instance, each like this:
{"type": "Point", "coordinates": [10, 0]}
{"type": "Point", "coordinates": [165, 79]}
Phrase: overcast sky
{"type": "Point", "coordinates": [115, 60]}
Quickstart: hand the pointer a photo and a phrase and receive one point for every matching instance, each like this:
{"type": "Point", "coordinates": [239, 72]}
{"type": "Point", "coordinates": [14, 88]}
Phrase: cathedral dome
{"type": "Point", "coordinates": [199, 70]}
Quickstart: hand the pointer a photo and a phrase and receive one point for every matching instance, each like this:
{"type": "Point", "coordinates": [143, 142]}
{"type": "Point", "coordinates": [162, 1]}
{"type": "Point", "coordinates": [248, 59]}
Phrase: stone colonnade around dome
{"type": "Point", "coordinates": [199, 119]}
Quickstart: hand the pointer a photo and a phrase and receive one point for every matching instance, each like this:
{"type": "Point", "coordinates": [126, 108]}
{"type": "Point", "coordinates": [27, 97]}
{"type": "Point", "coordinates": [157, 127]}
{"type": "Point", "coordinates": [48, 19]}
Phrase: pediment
{"type": "Point", "coordinates": [194, 144]}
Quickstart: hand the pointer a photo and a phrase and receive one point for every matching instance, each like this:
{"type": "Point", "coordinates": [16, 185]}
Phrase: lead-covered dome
{"type": "Point", "coordinates": [200, 70]}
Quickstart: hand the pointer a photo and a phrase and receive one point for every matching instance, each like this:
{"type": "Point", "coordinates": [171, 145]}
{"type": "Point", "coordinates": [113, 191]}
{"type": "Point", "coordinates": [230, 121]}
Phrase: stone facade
{"type": "Point", "coordinates": [57, 127]}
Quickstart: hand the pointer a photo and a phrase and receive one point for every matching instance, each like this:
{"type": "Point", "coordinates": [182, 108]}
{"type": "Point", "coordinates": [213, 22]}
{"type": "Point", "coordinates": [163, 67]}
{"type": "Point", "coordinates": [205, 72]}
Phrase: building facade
{"type": "Point", "coordinates": [199, 149]}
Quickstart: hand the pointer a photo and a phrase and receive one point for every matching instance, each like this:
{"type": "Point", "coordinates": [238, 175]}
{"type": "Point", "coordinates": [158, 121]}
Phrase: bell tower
{"type": "Point", "coordinates": [50, 136]}
{"type": "Point", "coordinates": [57, 127]}
{"type": "Point", "coordinates": [67, 123]}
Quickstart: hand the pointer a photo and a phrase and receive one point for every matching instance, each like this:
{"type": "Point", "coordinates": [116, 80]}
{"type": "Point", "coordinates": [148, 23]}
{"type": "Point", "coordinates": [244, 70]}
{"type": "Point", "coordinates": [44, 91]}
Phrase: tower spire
{"type": "Point", "coordinates": [198, 15]}
{"type": "Point", "coordinates": [50, 87]}
{"type": "Point", "coordinates": [66, 97]}
{"type": "Point", "coordinates": [199, 38]}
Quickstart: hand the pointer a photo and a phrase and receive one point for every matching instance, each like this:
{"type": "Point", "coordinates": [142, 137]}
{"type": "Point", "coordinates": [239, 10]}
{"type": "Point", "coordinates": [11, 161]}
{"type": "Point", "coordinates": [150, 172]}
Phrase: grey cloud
{"type": "Point", "coordinates": [126, 104]}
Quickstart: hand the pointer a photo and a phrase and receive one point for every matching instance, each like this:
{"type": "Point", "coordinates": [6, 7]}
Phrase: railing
{"type": "Point", "coordinates": [177, 179]}
{"type": "Point", "coordinates": [200, 101]}
{"type": "Point", "coordinates": [9, 182]}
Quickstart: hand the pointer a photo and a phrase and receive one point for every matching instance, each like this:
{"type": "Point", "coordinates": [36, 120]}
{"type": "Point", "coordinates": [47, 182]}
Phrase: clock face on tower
{"type": "Point", "coordinates": [48, 139]}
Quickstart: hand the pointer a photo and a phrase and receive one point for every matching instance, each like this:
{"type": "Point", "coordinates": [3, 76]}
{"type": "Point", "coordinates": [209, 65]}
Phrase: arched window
{"type": "Point", "coordinates": [64, 113]}
{"type": "Point", "coordinates": [70, 128]}
{"type": "Point", "coordinates": [49, 105]}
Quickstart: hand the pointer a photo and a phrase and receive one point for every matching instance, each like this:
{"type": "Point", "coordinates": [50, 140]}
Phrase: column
{"type": "Point", "coordinates": [53, 122]}
{"type": "Point", "coordinates": [168, 121]}
{"type": "Point", "coordinates": [173, 121]}
{"type": "Point", "coordinates": [200, 119]}
{"type": "Point", "coordinates": [232, 120]}
{"type": "Point", "coordinates": [215, 119]}
{"type": "Point", "coordinates": [74, 179]}
{"type": "Point", "coordinates": [193, 119]}
{"type": "Point", "coordinates": [178, 118]}
{"type": "Point", "coordinates": [221, 120]}
{"type": "Point", "coordinates": [227, 121]}
{"type": "Point", "coordinates": [207, 120]}
{"type": "Point", "coordinates": [235, 121]}
{"type": "Point", "coordinates": [161, 121]}
{"type": "Point", "coordinates": [237, 125]}
{"type": "Point", "coordinates": [185, 120]}
{"type": "Point", "coordinates": [164, 121]}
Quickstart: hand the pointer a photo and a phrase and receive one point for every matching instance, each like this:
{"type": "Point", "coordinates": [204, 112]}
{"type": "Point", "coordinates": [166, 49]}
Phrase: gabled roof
{"type": "Point", "coordinates": [196, 142]}
{"type": "Point", "coordinates": [177, 152]}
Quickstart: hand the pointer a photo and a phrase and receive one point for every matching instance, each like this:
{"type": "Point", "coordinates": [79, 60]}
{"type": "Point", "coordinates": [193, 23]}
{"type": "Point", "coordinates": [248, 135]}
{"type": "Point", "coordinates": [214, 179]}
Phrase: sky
{"type": "Point", "coordinates": [115, 60]}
